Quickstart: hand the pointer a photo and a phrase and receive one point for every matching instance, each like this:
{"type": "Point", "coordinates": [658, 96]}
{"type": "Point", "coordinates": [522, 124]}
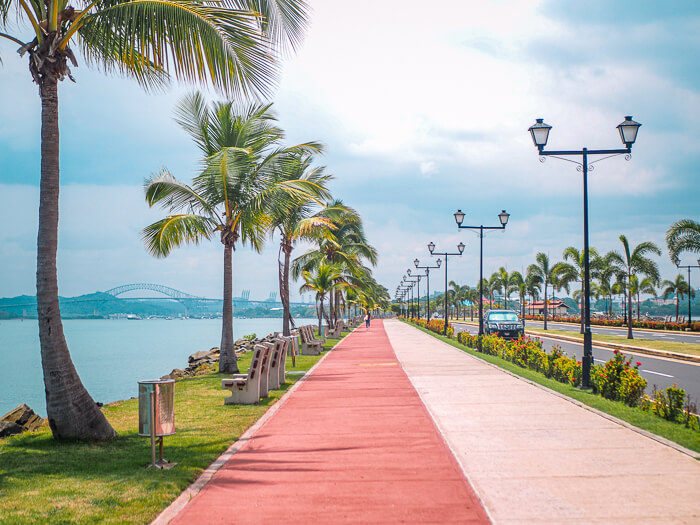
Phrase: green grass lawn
{"type": "Point", "coordinates": [644, 420]}
{"type": "Point", "coordinates": [47, 481]}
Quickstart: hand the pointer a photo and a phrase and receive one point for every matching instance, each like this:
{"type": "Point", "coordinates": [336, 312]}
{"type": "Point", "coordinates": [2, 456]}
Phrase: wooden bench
{"type": "Point", "coordinates": [309, 344]}
{"type": "Point", "coordinates": [245, 388]}
{"type": "Point", "coordinates": [265, 370]}
{"type": "Point", "coordinates": [286, 342]}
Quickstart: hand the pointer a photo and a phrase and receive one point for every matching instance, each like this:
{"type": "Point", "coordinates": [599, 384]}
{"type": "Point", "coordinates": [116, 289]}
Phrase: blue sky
{"type": "Point", "coordinates": [421, 112]}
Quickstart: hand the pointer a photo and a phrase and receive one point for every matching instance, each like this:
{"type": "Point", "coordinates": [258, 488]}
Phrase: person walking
{"type": "Point", "coordinates": [367, 319]}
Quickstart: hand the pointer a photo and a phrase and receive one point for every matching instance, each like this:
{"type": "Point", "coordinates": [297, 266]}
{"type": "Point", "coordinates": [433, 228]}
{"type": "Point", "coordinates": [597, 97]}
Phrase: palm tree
{"type": "Point", "coordinates": [532, 285]}
{"type": "Point", "coordinates": [683, 236]}
{"type": "Point", "coordinates": [575, 270]}
{"type": "Point", "coordinates": [643, 286]}
{"type": "Point", "coordinates": [493, 285]}
{"type": "Point", "coordinates": [678, 287]}
{"type": "Point", "coordinates": [543, 273]}
{"type": "Point", "coordinates": [323, 282]}
{"type": "Point", "coordinates": [607, 269]}
{"type": "Point", "coordinates": [345, 245]}
{"type": "Point", "coordinates": [513, 284]}
{"type": "Point", "coordinates": [196, 40]}
{"type": "Point", "coordinates": [635, 261]}
{"type": "Point", "coordinates": [296, 220]}
{"type": "Point", "coordinates": [231, 196]}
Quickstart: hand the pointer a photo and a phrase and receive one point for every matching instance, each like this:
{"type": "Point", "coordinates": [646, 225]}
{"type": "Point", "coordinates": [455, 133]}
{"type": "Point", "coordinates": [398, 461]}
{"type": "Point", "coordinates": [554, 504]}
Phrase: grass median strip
{"type": "Point", "coordinates": [47, 481]}
{"type": "Point", "coordinates": [687, 438]}
{"type": "Point", "coordinates": [668, 346]}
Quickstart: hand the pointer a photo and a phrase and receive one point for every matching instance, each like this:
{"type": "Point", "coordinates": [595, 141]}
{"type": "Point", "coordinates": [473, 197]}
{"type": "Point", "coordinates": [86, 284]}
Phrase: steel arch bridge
{"type": "Point", "coordinates": [165, 290]}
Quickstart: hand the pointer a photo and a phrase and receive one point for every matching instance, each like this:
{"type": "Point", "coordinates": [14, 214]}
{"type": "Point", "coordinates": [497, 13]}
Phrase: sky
{"type": "Point", "coordinates": [421, 111]}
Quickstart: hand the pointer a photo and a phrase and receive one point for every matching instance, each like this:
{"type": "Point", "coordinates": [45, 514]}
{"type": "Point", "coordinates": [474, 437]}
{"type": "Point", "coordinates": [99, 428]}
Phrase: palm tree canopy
{"type": "Point", "coordinates": [637, 260]}
{"type": "Point", "coordinates": [232, 44]}
{"type": "Point", "coordinates": [679, 287]}
{"type": "Point", "coordinates": [683, 236]}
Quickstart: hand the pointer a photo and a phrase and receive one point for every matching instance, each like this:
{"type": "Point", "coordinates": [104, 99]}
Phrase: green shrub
{"type": "Point", "coordinates": [618, 380]}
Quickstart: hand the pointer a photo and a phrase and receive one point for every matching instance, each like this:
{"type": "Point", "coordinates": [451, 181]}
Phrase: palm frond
{"type": "Point", "coordinates": [192, 40]}
{"type": "Point", "coordinates": [176, 230]}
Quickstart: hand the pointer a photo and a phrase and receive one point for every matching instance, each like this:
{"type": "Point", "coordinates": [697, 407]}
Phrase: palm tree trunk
{"type": "Point", "coordinates": [228, 364]}
{"type": "Point", "coordinates": [545, 305]}
{"type": "Point", "coordinates": [287, 320]}
{"type": "Point", "coordinates": [321, 314]}
{"type": "Point", "coordinates": [629, 313]}
{"type": "Point", "coordinates": [72, 413]}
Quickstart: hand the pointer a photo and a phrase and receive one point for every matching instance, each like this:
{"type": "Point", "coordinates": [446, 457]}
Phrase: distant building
{"type": "Point", "coordinates": [555, 307]}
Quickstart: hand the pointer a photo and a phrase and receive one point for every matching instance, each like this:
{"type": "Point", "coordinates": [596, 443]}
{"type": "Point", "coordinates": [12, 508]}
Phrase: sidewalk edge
{"type": "Point", "coordinates": [646, 433]}
{"type": "Point", "coordinates": [172, 510]}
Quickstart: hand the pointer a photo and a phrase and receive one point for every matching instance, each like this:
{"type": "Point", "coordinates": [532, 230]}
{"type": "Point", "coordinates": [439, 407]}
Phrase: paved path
{"type": "Point", "coordinates": [534, 457]}
{"type": "Point", "coordinates": [353, 444]}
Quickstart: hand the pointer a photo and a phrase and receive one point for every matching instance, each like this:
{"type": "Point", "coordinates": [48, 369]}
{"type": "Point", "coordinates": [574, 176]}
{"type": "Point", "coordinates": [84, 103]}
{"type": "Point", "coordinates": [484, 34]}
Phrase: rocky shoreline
{"type": "Point", "coordinates": [24, 419]}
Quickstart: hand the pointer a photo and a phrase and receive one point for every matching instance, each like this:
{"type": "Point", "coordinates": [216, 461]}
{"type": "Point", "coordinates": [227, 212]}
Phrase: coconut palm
{"type": "Point", "coordinates": [345, 245]}
{"type": "Point", "coordinates": [295, 220]}
{"type": "Point", "coordinates": [322, 283]}
{"type": "Point", "coordinates": [638, 287]}
{"type": "Point", "coordinates": [683, 236]}
{"type": "Point", "coordinates": [232, 195]}
{"type": "Point", "coordinates": [573, 269]}
{"type": "Point", "coordinates": [231, 46]}
{"type": "Point", "coordinates": [543, 273]}
{"type": "Point", "coordinates": [493, 285]}
{"type": "Point", "coordinates": [532, 285]}
{"type": "Point", "coordinates": [678, 287]}
{"type": "Point", "coordinates": [635, 260]}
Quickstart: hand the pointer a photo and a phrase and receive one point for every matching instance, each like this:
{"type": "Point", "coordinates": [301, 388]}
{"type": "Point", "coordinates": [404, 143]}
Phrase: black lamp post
{"type": "Point", "coordinates": [628, 134]}
{"type": "Point", "coordinates": [411, 280]}
{"type": "Point", "coordinates": [459, 219]}
{"type": "Point", "coordinates": [416, 262]}
{"type": "Point", "coordinates": [418, 277]}
{"type": "Point", "coordinates": [690, 325]}
{"type": "Point", "coordinates": [460, 250]}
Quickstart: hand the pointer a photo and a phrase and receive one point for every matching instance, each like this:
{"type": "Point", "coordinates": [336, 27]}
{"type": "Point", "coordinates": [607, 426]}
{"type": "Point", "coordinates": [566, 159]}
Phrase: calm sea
{"type": "Point", "coordinates": [111, 356]}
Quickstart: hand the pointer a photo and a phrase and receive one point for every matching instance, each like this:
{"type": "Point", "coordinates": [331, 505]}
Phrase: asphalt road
{"type": "Point", "coordinates": [680, 337]}
{"type": "Point", "coordinates": [659, 372]}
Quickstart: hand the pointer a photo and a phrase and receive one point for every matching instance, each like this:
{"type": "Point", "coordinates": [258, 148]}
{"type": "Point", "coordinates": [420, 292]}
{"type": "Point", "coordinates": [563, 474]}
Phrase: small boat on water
{"type": "Point", "coordinates": [133, 317]}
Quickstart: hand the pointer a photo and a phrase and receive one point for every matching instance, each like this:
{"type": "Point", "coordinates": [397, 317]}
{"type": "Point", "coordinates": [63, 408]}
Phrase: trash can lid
{"type": "Point", "coordinates": [156, 381]}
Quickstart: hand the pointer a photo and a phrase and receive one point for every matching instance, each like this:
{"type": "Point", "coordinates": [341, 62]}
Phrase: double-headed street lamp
{"type": "Point", "coordinates": [459, 219]}
{"type": "Point", "coordinates": [410, 279]}
{"type": "Point", "coordinates": [460, 250]}
{"type": "Point", "coordinates": [427, 269]}
{"type": "Point", "coordinates": [690, 325]}
{"type": "Point", "coordinates": [628, 134]}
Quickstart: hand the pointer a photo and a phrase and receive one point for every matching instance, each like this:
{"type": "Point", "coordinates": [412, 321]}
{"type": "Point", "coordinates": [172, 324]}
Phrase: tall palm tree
{"type": "Point", "coordinates": [572, 269]}
{"type": "Point", "coordinates": [532, 285]}
{"type": "Point", "coordinates": [232, 195]}
{"type": "Point", "coordinates": [635, 260]}
{"type": "Point", "coordinates": [515, 280]}
{"type": "Point", "coordinates": [678, 287]}
{"type": "Point", "coordinates": [683, 236]}
{"type": "Point", "coordinates": [345, 245]}
{"type": "Point", "coordinates": [297, 219]}
{"type": "Point", "coordinates": [323, 282]}
{"type": "Point", "coordinates": [543, 273]}
{"type": "Point", "coordinates": [639, 287]}
{"type": "Point", "coordinates": [607, 269]}
{"type": "Point", "coordinates": [203, 41]}
{"type": "Point", "coordinates": [493, 285]}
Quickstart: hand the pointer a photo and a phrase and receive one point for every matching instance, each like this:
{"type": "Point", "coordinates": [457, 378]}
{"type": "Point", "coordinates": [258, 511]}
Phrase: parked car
{"type": "Point", "coordinates": [504, 323]}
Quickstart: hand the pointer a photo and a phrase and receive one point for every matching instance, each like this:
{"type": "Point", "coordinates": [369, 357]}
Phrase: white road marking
{"type": "Point", "coordinates": [656, 373]}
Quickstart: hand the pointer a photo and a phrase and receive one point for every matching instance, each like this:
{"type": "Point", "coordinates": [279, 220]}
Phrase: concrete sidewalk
{"type": "Point", "coordinates": [534, 457]}
{"type": "Point", "coordinates": [352, 444]}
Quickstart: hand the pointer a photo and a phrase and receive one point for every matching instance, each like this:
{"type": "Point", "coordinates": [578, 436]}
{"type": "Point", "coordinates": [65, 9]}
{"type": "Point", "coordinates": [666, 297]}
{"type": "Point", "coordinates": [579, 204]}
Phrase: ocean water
{"type": "Point", "coordinates": [111, 356]}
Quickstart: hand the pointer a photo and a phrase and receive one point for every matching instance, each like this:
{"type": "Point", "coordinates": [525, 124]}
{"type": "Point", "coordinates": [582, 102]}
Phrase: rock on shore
{"type": "Point", "coordinates": [21, 419]}
{"type": "Point", "coordinates": [202, 361]}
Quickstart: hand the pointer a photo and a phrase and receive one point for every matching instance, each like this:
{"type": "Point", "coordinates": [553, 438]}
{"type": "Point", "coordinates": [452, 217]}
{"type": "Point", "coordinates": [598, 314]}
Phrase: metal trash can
{"type": "Point", "coordinates": [157, 415]}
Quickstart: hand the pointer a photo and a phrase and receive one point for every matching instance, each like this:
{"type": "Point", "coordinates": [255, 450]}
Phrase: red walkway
{"type": "Point", "coordinates": [353, 444]}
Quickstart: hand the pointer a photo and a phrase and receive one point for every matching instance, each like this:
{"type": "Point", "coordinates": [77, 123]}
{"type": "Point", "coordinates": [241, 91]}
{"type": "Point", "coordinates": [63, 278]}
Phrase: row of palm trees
{"type": "Point", "coordinates": [252, 187]}
{"type": "Point", "coordinates": [630, 272]}
{"type": "Point", "coordinates": [235, 47]}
